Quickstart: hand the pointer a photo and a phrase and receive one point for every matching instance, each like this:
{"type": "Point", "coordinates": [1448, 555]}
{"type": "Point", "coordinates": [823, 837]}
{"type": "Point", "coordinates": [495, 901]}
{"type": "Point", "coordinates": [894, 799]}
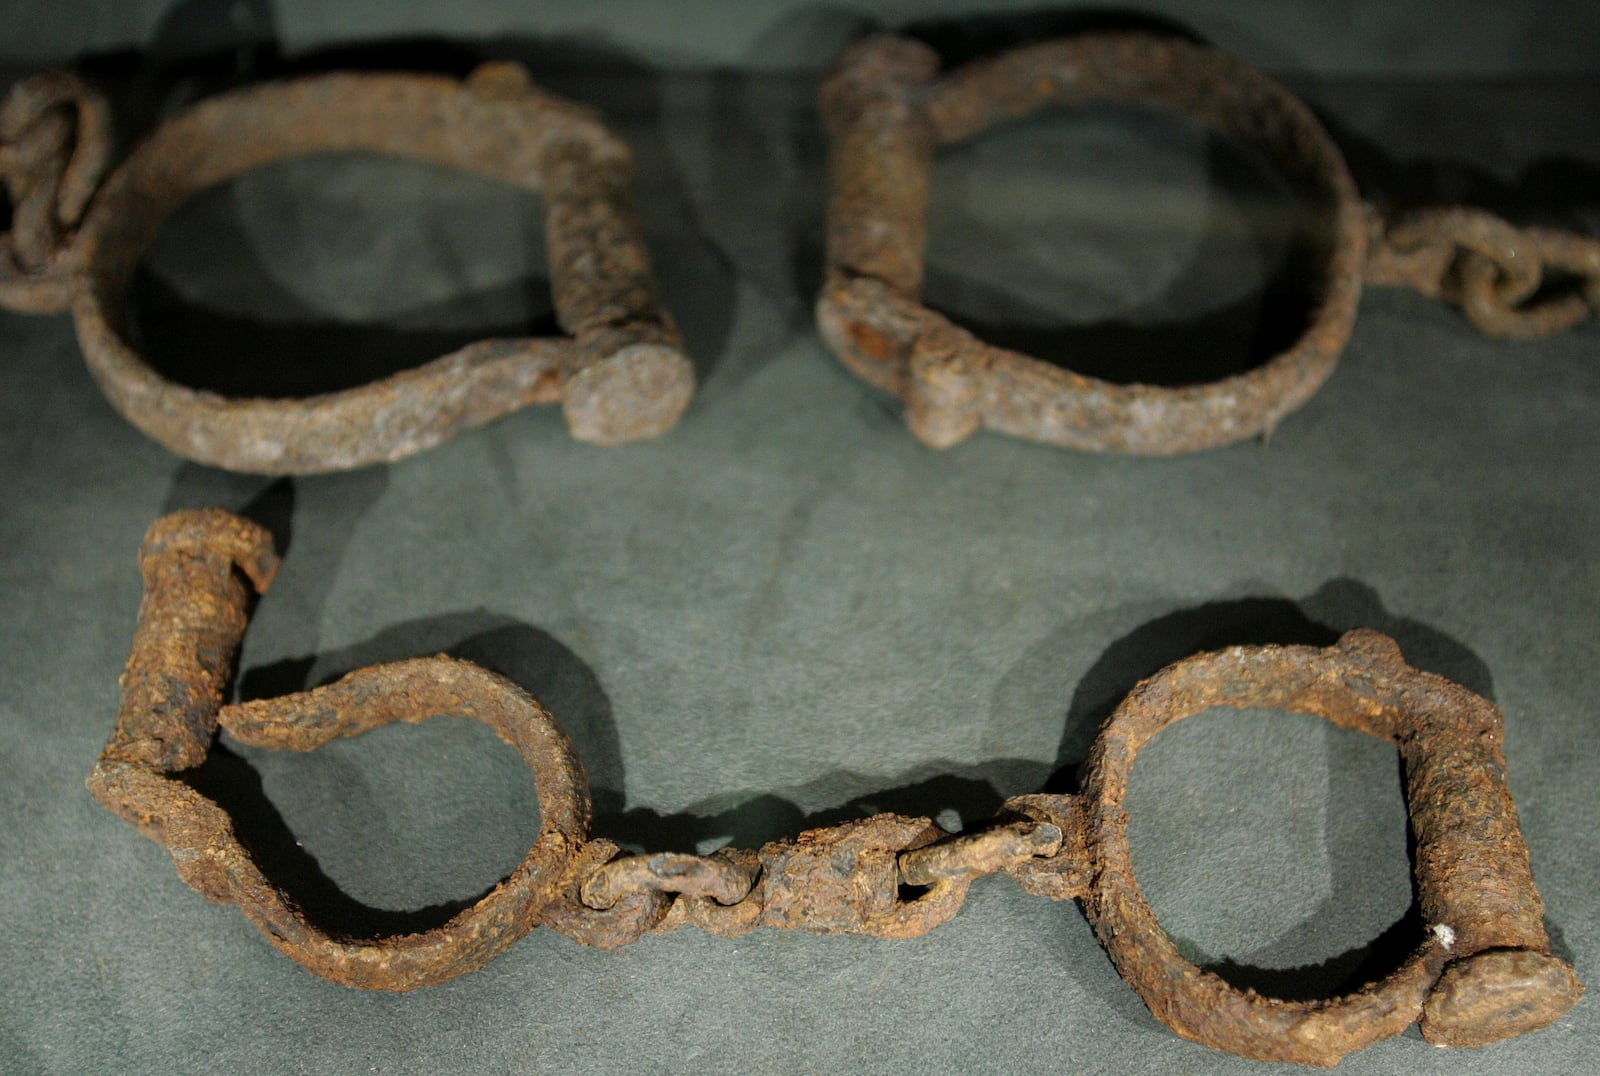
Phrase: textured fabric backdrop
{"type": "Point", "coordinates": [787, 611]}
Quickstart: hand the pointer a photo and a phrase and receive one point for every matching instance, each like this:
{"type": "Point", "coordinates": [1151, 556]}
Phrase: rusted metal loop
{"type": "Point", "coordinates": [55, 143]}
{"type": "Point", "coordinates": [201, 570]}
{"type": "Point", "coordinates": [624, 921]}
{"type": "Point", "coordinates": [619, 372]}
{"type": "Point", "coordinates": [1484, 302]}
{"type": "Point", "coordinates": [1458, 229]}
{"type": "Point", "coordinates": [887, 114]}
{"type": "Point", "coordinates": [1484, 970]}
{"type": "Point", "coordinates": [1064, 874]}
{"type": "Point", "coordinates": [722, 879]}
{"type": "Point", "coordinates": [984, 852]}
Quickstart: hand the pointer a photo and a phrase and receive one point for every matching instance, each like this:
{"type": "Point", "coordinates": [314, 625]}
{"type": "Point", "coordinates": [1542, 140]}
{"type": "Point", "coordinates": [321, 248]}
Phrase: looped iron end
{"type": "Point", "coordinates": [55, 143]}
{"type": "Point", "coordinates": [201, 571]}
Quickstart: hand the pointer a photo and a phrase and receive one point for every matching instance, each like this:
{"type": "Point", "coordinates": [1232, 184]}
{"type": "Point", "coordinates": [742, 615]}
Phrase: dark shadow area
{"type": "Point", "coordinates": [970, 793]}
{"type": "Point", "coordinates": [766, 197]}
{"type": "Point", "coordinates": [1203, 346]}
{"type": "Point", "coordinates": [1558, 942]}
{"type": "Point", "coordinates": [302, 352]}
{"type": "Point", "coordinates": [808, 240]}
{"type": "Point", "coordinates": [565, 685]}
{"type": "Point", "coordinates": [1355, 967]}
{"type": "Point", "coordinates": [780, 113]}
{"type": "Point", "coordinates": [1338, 975]}
{"type": "Point", "coordinates": [199, 48]}
{"type": "Point", "coordinates": [1183, 335]}
{"type": "Point", "coordinates": [234, 785]}
{"type": "Point", "coordinates": [1551, 191]}
{"type": "Point", "coordinates": [225, 33]}
{"type": "Point", "coordinates": [966, 38]}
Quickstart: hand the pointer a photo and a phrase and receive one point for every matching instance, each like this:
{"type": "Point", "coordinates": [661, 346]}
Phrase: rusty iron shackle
{"type": "Point", "coordinates": [1482, 972]}
{"type": "Point", "coordinates": [619, 372]}
{"type": "Point", "coordinates": [888, 110]}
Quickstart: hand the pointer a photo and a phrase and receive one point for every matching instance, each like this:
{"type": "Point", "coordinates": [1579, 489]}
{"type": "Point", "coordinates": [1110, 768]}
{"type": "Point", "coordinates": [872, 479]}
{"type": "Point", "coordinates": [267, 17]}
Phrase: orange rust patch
{"type": "Point", "coordinates": [870, 341]}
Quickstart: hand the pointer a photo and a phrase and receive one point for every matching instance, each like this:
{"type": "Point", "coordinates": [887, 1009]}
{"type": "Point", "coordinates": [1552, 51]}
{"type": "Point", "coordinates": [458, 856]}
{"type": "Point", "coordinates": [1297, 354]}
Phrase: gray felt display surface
{"type": "Point", "coordinates": [787, 612]}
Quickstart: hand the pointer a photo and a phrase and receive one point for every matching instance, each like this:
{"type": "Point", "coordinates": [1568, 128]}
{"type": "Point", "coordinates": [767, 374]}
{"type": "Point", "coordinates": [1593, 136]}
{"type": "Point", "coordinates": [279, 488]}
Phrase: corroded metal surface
{"type": "Point", "coordinates": [1490, 269]}
{"type": "Point", "coordinates": [1474, 884]}
{"type": "Point", "coordinates": [1482, 972]}
{"type": "Point", "coordinates": [619, 373]}
{"type": "Point", "coordinates": [55, 143]}
{"type": "Point", "coordinates": [201, 571]}
{"type": "Point", "coordinates": [888, 111]}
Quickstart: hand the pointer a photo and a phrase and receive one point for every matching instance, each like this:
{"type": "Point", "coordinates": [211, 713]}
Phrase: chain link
{"type": "Point", "coordinates": [54, 147]}
{"type": "Point", "coordinates": [725, 879]}
{"type": "Point", "coordinates": [1492, 270]}
{"type": "Point", "coordinates": [859, 877]}
{"type": "Point", "coordinates": [985, 852]}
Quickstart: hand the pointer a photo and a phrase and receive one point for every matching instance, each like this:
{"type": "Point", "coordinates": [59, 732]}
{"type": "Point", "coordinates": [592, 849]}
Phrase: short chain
{"type": "Point", "coordinates": [54, 146]}
{"type": "Point", "coordinates": [854, 878]}
{"type": "Point", "coordinates": [1489, 268]}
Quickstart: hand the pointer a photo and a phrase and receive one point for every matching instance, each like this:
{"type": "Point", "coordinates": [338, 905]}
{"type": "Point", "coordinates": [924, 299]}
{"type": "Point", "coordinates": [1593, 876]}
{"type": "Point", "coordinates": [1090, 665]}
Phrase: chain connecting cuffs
{"type": "Point", "coordinates": [1482, 972]}
{"type": "Point", "coordinates": [619, 373]}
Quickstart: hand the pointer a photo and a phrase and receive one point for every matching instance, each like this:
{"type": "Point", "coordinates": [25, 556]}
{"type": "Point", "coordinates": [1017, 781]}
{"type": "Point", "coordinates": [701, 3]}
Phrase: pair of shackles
{"type": "Point", "coordinates": [1482, 972]}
